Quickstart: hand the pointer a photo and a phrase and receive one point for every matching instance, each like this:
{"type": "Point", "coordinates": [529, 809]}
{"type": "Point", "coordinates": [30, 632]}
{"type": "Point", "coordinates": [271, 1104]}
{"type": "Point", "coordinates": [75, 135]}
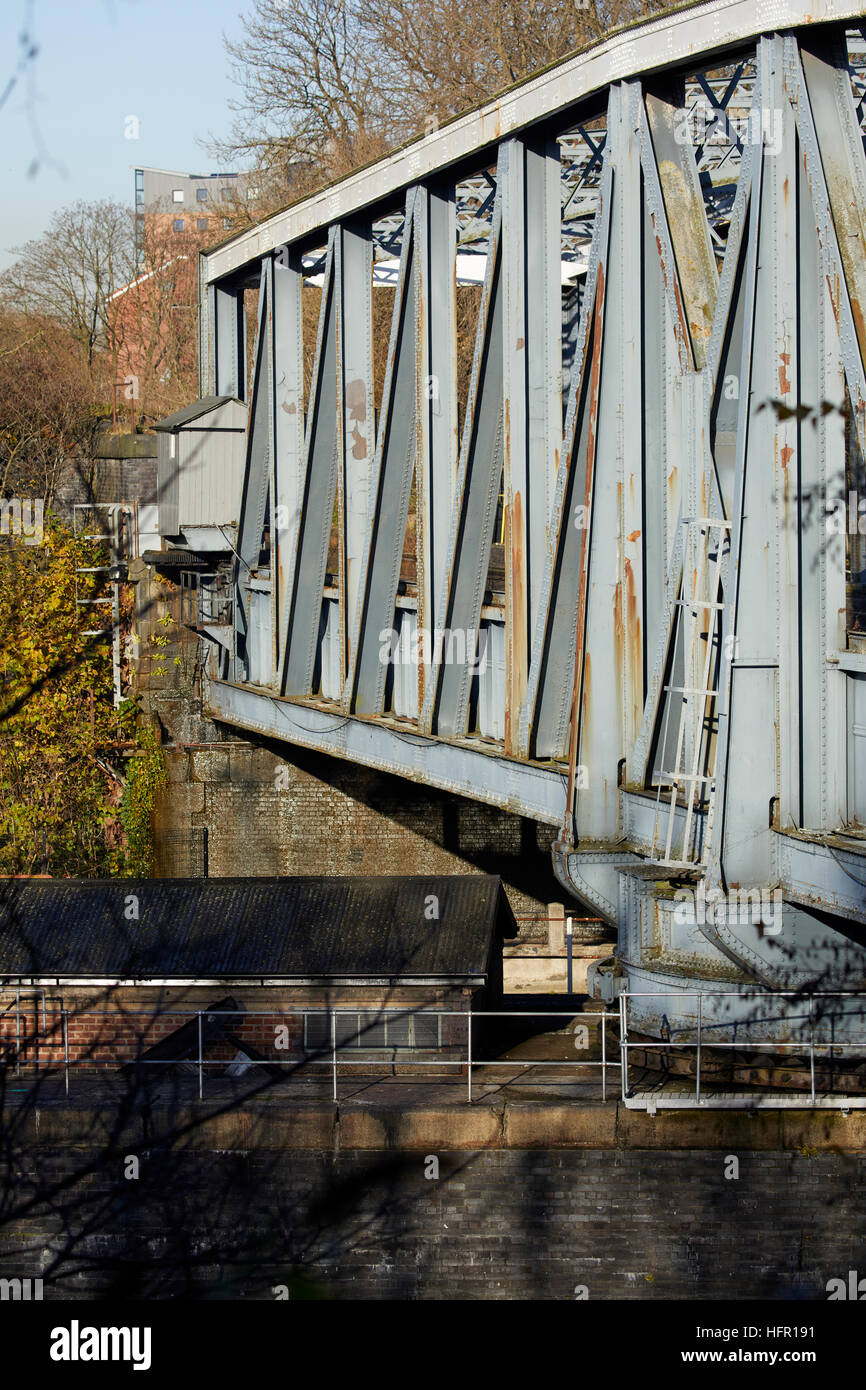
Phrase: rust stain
{"type": "Point", "coordinates": [587, 688]}
{"type": "Point", "coordinates": [785, 453]}
{"type": "Point", "coordinates": [784, 379]}
{"type": "Point", "coordinates": [786, 190]}
{"type": "Point", "coordinates": [661, 257]}
{"type": "Point", "coordinates": [595, 371]}
{"type": "Point", "coordinates": [356, 402]}
{"type": "Point", "coordinates": [290, 407]}
{"type": "Point", "coordinates": [632, 536]}
{"type": "Point", "coordinates": [635, 648]}
{"type": "Point", "coordinates": [684, 327]}
{"type": "Point", "coordinates": [581, 684]}
{"type": "Point", "coordinates": [518, 618]}
{"type": "Point", "coordinates": [359, 444]}
{"type": "Point", "coordinates": [618, 636]}
{"type": "Point", "coordinates": [859, 322]}
{"type": "Point", "coordinates": [519, 344]}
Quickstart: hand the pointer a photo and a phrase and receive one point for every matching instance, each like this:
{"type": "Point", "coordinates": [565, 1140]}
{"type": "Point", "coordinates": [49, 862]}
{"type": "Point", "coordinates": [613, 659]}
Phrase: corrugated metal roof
{"type": "Point", "coordinates": [176, 556]}
{"type": "Point", "coordinates": [192, 412]}
{"type": "Point", "coordinates": [208, 928]}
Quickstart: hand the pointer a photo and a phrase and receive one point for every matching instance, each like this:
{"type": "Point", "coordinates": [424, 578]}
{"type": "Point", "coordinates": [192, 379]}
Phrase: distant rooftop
{"type": "Point", "coordinates": [178, 173]}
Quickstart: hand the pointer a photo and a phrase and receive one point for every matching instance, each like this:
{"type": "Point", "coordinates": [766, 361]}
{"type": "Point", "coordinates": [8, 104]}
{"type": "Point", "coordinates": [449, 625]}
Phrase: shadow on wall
{"type": "Point", "coordinates": [270, 808]}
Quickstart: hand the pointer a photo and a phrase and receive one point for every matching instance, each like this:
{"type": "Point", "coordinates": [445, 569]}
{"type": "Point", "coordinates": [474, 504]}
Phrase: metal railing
{"type": "Point", "coordinates": [700, 1043]}
{"type": "Point", "coordinates": [206, 600]}
{"type": "Point", "coordinates": [56, 1040]}
{"type": "Point", "coordinates": [50, 1046]}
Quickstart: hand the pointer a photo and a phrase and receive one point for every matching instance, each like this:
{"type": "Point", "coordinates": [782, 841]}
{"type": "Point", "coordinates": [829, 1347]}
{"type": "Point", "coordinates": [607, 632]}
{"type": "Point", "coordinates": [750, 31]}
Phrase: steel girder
{"type": "Point", "coordinates": [667, 597]}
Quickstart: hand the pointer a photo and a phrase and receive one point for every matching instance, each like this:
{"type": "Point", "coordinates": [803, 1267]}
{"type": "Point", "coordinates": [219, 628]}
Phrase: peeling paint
{"type": "Point", "coordinates": [356, 400]}
{"type": "Point", "coordinates": [784, 379]}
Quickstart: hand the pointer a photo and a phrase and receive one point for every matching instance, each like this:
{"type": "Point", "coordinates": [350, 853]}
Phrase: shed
{"type": "Point", "coordinates": [200, 472]}
{"type": "Point", "coordinates": [374, 963]}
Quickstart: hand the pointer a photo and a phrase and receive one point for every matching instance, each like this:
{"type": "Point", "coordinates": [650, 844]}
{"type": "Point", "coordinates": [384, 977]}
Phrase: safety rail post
{"type": "Point", "coordinates": [200, 1090]}
{"type": "Point", "coordinates": [66, 1049]}
{"type": "Point", "coordinates": [569, 954]}
{"type": "Point", "coordinates": [37, 1038]}
{"type": "Point", "coordinates": [698, 1063]}
{"type": "Point", "coordinates": [604, 1054]}
{"type": "Point", "coordinates": [17, 1032]}
{"type": "Point", "coordinates": [334, 1051]}
{"type": "Point", "coordinates": [812, 1046]}
{"type": "Point", "coordinates": [623, 1044]}
{"type": "Point", "coordinates": [469, 1054]}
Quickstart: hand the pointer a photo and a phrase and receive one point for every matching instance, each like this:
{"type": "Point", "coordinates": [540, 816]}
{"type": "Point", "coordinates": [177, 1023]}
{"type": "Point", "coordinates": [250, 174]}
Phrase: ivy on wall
{"type": "Point", "coordinates": [144, 780]}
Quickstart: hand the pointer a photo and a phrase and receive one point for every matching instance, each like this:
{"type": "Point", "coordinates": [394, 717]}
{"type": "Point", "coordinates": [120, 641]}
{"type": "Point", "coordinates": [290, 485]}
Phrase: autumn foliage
{"type": "Point", "coordinates": [61, 765]}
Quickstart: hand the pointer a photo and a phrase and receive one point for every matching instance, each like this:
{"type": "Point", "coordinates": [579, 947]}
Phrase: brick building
{"type": "Point", "coordinates": [103, 972]}
{"type": "Point", "coordinates": [189, 202]}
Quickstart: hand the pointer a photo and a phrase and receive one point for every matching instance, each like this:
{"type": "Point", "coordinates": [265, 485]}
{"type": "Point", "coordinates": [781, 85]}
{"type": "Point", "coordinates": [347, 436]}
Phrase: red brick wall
{"type": "Point", "coordinates": [108, 1028]}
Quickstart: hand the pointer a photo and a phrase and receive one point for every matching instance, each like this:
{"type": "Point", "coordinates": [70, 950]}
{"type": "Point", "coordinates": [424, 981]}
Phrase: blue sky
{"type": "Point", "coordinates": [99, 62]}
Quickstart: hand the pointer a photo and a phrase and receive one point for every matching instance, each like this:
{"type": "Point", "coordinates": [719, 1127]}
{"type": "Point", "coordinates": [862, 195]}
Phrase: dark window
{"type": "Point", "coordinates": [202, 224]}
{"type": "Point", "coordinates": [426, 1030]}
{"type": "Point", "coordinates": [371, 1030]}
{"type": "Point", "coordinates": [178, 224]}
{"type": "Point", "coordinates": [201, 195]}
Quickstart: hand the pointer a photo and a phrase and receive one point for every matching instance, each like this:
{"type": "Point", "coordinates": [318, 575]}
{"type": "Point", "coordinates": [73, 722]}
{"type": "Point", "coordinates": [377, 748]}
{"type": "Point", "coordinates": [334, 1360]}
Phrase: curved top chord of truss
{"type": "Point", "coordinates": [679, 36]}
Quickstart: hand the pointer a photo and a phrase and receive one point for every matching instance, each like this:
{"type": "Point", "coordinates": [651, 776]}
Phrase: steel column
{"type": "Point", "coordinates": [532, 391]}
{"type": "Point", "coordinates": [322, 445]}
{"type": "Point", "coordinates": [438, 445]}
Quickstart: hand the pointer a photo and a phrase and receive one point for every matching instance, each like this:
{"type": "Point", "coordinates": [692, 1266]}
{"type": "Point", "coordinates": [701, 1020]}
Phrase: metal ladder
{"type": "Point", "coordinates": [119, 537]}
{"type": "Point", "coordinates": [699, 619]}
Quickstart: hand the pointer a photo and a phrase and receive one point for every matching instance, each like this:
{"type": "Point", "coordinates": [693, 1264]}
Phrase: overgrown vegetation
{"type": "Point", "coordinates": [144, 780]}
{"type": "Point", "coordinates": [61, 739]}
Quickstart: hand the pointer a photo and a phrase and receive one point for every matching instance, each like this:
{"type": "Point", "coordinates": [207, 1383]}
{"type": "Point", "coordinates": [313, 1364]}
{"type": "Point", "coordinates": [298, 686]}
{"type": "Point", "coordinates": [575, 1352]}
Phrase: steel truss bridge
{"type": "Point", "coordinates": [610, 577]}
